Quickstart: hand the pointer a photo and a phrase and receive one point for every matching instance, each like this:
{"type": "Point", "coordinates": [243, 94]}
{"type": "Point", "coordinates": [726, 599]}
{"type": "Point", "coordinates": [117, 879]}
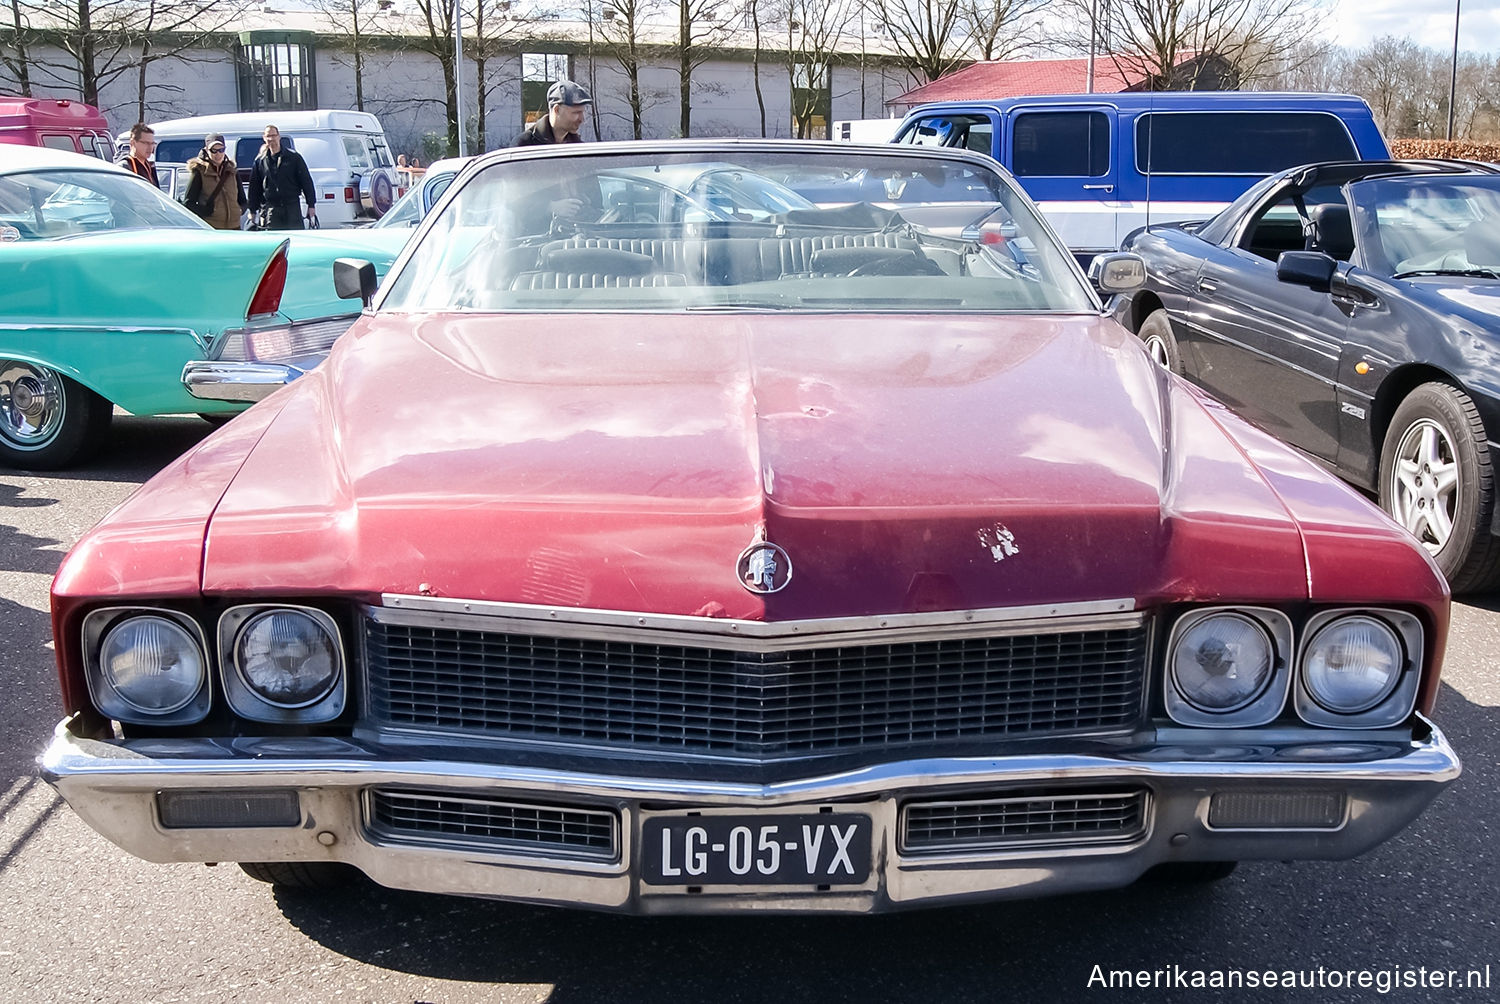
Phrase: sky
{"type": "Point", "coordinates": [1429, 23]}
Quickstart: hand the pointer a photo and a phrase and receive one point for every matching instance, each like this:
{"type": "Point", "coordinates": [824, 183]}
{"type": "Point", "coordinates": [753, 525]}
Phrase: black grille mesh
{"type": "Point", "coordinates": [753, 705]}
{"type": "Point", "coordinates": [535, 829]}
{"type": "Point", "coordinates": [1067, 817]}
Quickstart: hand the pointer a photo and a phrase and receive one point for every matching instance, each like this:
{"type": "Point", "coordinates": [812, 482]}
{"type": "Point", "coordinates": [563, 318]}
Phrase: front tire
{"type": "Point", "coordinates": [1161, 344]}
{"type": "Point", "coordinates": [1436, 480]}
{"type": "Point", "coordinates": [47, 421]}
{"type": "Point", "coordinates": [305, 875]}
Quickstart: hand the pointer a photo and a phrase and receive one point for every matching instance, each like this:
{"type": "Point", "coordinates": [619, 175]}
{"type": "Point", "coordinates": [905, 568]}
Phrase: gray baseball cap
{"type": "Point", "coordinates": [565, 92]}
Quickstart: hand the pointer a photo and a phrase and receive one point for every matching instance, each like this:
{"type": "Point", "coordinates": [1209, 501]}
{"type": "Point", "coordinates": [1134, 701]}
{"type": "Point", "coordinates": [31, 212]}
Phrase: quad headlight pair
{"type": "Point", "coordinates": [1233, 667]}
{"type": "Point", "coordinates": [152, 666]}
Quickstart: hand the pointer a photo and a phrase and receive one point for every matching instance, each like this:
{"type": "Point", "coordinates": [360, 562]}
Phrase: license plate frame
{"type": "Point", "coordinates": [825, 850]}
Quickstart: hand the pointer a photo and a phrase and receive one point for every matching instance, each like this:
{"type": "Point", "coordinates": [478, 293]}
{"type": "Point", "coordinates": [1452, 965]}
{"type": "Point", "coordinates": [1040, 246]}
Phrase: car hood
{"type": "Point", "coordinates": [1477, 300]}
{"type": "Point", "coordinates": [626, 461]}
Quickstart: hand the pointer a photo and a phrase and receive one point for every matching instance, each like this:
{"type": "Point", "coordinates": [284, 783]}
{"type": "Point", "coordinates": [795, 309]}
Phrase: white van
{"type": "Point", "coordinates": [346, 153]}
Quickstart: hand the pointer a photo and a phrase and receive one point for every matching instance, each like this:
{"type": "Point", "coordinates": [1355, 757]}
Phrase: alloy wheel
{"type": "Point", "coordinates": [1424, 484]}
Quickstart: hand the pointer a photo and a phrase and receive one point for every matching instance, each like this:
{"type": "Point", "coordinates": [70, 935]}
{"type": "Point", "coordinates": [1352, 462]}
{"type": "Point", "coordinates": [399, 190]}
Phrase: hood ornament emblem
{"type": "Point", "coordinates": [764, 568]}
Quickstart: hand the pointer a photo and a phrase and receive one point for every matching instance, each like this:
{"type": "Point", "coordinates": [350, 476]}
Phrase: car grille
{"type": "Point", "coordinates": [493, 825]}
{"type": "Point", "coordinates": [1019, 818]}
{"type": "Point", "coordinates": [755, 705]}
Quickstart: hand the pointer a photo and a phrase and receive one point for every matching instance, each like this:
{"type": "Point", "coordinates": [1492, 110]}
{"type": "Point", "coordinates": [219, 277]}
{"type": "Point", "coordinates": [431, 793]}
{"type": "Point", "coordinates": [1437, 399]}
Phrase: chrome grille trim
{"type": "Point", "coordinates": [753, 636]}
{"type": "Point", "coordinates": [1018, 819]}
{"type": "Point", "coordinates": [657, 692]}
{"type": "Point", "coordinates": [490, 824]}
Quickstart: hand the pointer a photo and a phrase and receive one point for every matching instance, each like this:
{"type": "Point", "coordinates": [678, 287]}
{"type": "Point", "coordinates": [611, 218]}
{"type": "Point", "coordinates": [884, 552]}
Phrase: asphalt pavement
{"type": "Point", "coordinates": [81, 920]}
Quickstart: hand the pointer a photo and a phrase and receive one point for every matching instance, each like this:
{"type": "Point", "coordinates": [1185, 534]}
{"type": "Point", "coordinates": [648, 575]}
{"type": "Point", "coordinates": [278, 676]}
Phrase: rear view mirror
{"type": "Point", "coordinates": [354, 277]}
{"type": "Point", "coordinates": [1117, 273]}
{"type": "Point", "coordinates": [1312, 269]}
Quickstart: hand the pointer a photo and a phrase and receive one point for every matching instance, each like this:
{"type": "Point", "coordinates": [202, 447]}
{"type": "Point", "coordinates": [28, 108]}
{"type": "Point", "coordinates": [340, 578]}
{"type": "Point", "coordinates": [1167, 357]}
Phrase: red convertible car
{"type": "Point", "coordinates": [845, 558]}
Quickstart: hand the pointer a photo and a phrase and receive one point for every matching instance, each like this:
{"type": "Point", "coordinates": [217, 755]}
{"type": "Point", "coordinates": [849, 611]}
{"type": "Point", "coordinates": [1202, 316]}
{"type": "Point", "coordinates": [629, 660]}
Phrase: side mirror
{"type": "Point", "coordinates": [1120, 272]}
{"type": "Point", "coordinates": [354, 277]}
{"type": "Point", "coordinates": [1312, 269]}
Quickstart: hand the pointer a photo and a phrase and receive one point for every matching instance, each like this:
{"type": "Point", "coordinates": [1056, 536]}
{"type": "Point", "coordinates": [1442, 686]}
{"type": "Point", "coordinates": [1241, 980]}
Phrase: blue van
{"type": "Point", "coordinates": [1101, 165]}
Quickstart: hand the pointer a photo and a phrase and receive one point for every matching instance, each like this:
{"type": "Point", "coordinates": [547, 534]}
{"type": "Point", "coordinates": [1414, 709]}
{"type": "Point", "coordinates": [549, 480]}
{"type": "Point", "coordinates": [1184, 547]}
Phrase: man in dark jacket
{"type": "Point", "coordinates": [566, 104]}
{"type": "Point", "coordinates": [138, 160]}
{"type": "Point", "coordinates": [279, 178]}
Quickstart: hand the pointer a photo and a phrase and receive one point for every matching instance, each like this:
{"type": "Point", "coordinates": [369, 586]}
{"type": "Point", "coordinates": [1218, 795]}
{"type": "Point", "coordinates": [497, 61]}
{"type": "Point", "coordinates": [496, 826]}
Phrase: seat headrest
{"type": "Point", "coordinates": [1333, 231]}
{"type": "Point", "coordinates": [604, 261]}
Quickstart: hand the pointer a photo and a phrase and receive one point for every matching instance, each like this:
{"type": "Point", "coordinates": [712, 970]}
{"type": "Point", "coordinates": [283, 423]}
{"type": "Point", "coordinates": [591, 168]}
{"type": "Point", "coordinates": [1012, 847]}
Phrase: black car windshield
{"type": "Point", "coordinates": [42, 204]}
{"type": "Point", "coordinates": [738, 228]}
{"type": "Point", "coordinates": [1428, 224]}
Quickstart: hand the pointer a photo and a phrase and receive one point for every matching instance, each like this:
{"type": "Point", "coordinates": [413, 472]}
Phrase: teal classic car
{"type": "Point", "coordinates": [114, 295]}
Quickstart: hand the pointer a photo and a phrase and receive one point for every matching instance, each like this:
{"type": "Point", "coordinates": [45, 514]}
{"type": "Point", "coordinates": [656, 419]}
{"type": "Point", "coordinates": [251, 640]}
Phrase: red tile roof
{"type": "Point", "coordinates": [1013, 78]}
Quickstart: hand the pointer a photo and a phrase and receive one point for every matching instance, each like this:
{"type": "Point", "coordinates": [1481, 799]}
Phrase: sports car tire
{"type": "Point", "coordinates": [301, 874]}
{"type": "Point", "coordinates": [47, 421]}
{"type": "Point", "coordinates": [1436, 480]}
{"type": "Point", "coordinates": [1161, 344]}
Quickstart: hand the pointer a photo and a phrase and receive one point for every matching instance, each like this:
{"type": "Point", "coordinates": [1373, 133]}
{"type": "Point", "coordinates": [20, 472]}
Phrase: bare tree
{"type": "Point", "coordinates": [816, 30]}
{"type": "Point", "coordinates": [621, 28]}
{"type": "Point", "coordinates": [930, 37]}
{"type": "Point", "coordinates": [17, 64]}
{"type": "Point", "coordinates": [497, 26]}
{"type": "Point", "coordinates": [702, 27]}
{"type": "Point", "coordinates": [102, 41]}
{"type": "Point", "coordinates": [437, 18]}
{"type": "Point", "coordinates": [349, 25]}
{"type": "Point", "coordinates": [1001, 29]}
{"type": "Point", "coordinates": [1156, 40]}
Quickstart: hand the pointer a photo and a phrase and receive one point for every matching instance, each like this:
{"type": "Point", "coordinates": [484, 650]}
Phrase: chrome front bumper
{"type": "Point", "coordinates": [219, 380]}
{"type": "Point", "coordinates": [114, 787]}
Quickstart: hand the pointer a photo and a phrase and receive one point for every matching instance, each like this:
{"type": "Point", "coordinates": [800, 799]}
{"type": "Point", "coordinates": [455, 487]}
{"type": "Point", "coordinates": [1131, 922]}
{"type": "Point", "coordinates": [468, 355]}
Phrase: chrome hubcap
{"type": "Point", "coordinates": [31, 404]}
{"type": "Point", "coordinates": [1424, 484]}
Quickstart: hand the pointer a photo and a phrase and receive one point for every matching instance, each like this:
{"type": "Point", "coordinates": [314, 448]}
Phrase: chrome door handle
{"type": "Point", "coordinates": [1207, 284]}
{"type": "Point", "coordinates": [1099, 188]}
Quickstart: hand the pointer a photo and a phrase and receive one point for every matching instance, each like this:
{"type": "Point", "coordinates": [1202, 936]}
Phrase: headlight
{"type": "Point", "coordinates": [145, 665]}
{"type": "Point", "coordinates": [1352, 664]}
{"type": "Point", "coordinates": [282, 663]}
{"type": "Point", "coordinates": [1223, 662]}
{"type": "Point", "coordinates": [154, 665]}
{"type": "Point", "coordinates": [1223, 667]}
{"type": "Point", "coordinates": [287, 658]}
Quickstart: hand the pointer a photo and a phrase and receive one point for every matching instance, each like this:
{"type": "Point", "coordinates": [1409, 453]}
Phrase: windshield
{"type": "Point", "coordinates": [738, 229]}
{"type": "Point", "coordinates": [1428, 223]}
{"type": "Point", "coordinates": [36, 205]}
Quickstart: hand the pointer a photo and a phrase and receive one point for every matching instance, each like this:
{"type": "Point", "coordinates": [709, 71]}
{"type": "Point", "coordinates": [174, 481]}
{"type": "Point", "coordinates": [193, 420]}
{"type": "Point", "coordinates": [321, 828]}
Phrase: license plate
{"type": "Point", "coordinates": [817, 849]}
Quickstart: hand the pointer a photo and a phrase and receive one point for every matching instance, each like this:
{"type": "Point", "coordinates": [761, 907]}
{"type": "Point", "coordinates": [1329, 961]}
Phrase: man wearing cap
{"type": "Point", "coordinates": [214, 191]}
{"type": "Point", "coordinates": [566, 102]}
{"type": "Point", "coordinates": [278, 179]}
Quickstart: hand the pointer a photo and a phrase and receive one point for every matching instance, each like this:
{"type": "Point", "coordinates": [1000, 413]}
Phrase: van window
{"type": "Point", "coordinates": [1237, 142]}
{"type": "Point", "coordinates": [1060, 145]}
{"type": "Point", "coordinates": [972, 132]}
{"type": "Point", "coordinates": [59, 143]}
{"type": "Point", "coordinates": [357, 152]}
{"type": "Point", "coordinates": [177, 151]}
{"type": "Point", "coordinates": [247, 148]}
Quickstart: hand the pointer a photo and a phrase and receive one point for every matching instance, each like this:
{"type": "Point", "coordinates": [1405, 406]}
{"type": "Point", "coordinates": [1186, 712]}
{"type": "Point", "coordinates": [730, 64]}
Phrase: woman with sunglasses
{"type": "Point", "coordinates": [214, 191]}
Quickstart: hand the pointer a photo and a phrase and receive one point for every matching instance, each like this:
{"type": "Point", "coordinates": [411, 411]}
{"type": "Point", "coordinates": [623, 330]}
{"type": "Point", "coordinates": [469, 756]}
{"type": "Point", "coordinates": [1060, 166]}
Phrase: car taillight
{"type": "Point", "coordinates": [267, 298]}
{"type": "Point", "coordinates": [350, 195]}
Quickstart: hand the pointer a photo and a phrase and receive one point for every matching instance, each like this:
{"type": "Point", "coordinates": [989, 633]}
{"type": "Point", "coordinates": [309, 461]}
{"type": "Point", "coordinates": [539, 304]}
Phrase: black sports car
{"type": "Point", "coordinates": [1353, 309]}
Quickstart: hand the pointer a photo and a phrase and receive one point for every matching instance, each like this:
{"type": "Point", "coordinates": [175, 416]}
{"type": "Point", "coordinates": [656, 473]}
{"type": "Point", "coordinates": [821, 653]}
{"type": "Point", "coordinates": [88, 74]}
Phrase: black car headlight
{"type": "Point", "coordinates": [1359, 669]}
{"type": "Point", "coordinates": [1225, 667]}
{"type": "Point", "coordinates": [282, 663]}
{"type": "Point", "coordinates": [146, 666]}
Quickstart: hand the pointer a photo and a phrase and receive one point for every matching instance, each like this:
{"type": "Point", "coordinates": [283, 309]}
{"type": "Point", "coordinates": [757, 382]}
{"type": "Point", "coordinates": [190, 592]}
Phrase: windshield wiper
{"type": "Point", "coordinates": [1477, 273]}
